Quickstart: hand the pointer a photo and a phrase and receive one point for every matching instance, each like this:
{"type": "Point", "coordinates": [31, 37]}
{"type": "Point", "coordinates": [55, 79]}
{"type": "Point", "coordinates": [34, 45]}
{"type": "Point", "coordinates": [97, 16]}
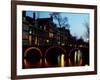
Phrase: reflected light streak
{"type": "Point", "coordinates": [30, 39]}
{"type": "Point", "coordinates": [79, 55]}
{"type": "Point", "coordinates": [36, 41]}
{"type": "Point", "coordinates": [62, 60]}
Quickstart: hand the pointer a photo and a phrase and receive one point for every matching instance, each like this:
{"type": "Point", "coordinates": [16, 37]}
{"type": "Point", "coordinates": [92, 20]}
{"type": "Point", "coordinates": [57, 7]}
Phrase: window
{"type": "Point", "coordinates": [50, 34]}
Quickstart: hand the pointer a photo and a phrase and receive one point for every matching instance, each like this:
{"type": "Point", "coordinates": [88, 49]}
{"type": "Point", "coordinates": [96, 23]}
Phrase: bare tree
{"type": "Point", "coordinates": [87, 30]}
{"type": "Point", "coordinates": [61, 21]}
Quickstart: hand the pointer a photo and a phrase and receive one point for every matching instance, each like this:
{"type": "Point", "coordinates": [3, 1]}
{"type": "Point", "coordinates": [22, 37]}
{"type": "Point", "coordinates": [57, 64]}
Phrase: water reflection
{"type": "Point", "coordinates": [55, 57]}
{"type": "Point", "coordinates": [75, 57]}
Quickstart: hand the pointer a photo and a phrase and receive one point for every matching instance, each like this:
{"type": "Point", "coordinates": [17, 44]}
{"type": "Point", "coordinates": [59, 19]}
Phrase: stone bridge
{"type": "Point", "coordinates": [55, 56]}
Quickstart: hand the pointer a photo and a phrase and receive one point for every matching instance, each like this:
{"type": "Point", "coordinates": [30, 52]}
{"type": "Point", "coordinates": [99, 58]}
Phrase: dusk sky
{"type": "Point", "coordinates": [75, 20]}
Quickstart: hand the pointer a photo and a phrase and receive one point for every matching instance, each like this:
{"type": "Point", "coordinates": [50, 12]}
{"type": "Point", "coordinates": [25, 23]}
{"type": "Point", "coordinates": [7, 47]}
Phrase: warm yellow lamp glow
{"type": "Point", "coordinates": [47, 41]}
{"type": "Point", "coordinates": [62, 44]}
{"type": "Point", "coordinates": [62, 60]}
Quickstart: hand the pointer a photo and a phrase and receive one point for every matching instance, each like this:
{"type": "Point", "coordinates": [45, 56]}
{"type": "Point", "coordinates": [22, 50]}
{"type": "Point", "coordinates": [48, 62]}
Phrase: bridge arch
{"type": "Point", "coordinates": [75, 57]}
{"type": "Point", "coordinates": [55, 56]}
{"type": "Point", "coordinates": [32, 57]}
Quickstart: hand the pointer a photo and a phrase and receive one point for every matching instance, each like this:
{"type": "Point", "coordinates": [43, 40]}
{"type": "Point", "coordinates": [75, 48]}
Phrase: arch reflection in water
{"type": "Point", "coordinates": [32, 58]}
{"type": "Point", "coordinates": [55, 57]}
{"type": "Point", "coordinates": [75, 57]}
{"type": "Point", "coordinates": [61, 60]}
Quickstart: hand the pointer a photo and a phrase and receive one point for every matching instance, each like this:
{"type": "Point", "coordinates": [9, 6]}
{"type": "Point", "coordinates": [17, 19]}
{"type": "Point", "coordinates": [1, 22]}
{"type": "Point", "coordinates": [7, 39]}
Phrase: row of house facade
{"type": "Point", "coordinates": [43, 31]}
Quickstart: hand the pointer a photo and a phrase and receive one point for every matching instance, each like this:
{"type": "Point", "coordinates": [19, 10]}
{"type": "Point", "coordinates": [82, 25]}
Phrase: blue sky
{"type": "Point", "coordinates": [75, 20]}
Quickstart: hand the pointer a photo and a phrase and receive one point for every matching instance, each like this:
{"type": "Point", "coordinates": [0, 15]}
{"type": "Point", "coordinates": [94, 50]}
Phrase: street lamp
{"type": "Point", "coordinates": [30, 32]}
{"type": "Point", "coordinates": [47, 41]}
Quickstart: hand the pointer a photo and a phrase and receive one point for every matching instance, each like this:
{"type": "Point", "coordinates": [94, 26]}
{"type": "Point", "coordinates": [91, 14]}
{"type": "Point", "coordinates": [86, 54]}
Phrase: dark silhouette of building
{"type": "Point", "coordinates": [43, 31]}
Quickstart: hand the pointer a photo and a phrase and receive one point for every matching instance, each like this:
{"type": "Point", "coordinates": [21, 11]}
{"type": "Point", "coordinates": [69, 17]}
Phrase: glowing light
{"type": "Point", "coordinates": [81, 45]}
{"type": "Point", "coordinates": [30, 32]}
{"type": "Point", "coordinates": [59, 42]}
{"type": "Point", "coordinates": [30, 39]}
{"type": "Point", "coordinates": [70, 45]}
{"type": "Point", "coordinates": [36, 41]}
{"type": "Point", "coordinates": [62, 60]}
{"type": "Point", "coordinates": [47, 41]}
{"type": "Point", "coordinates": [77, 57]}
{"type": "Point", "coordinates": [62, 44]}
{"type": "Point", "coordinates": [50, 34]}
{"type": "Point", "coordinates": [86, 65]}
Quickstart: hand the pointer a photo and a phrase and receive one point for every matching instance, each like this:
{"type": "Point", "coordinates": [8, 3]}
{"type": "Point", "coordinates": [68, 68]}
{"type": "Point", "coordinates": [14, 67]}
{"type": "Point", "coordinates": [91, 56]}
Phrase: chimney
{"type": "Point", "coordinates": [24, 14]}
{"type": "Point", "coordinates": [34, 16]}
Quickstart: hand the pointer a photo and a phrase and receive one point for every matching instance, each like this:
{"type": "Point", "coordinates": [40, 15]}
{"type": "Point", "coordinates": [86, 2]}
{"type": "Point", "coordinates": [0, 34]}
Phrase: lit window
{"type": "Point", "coordinates": [44, 27]}
{"type": "Point", "coordinates": [50, 34]}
